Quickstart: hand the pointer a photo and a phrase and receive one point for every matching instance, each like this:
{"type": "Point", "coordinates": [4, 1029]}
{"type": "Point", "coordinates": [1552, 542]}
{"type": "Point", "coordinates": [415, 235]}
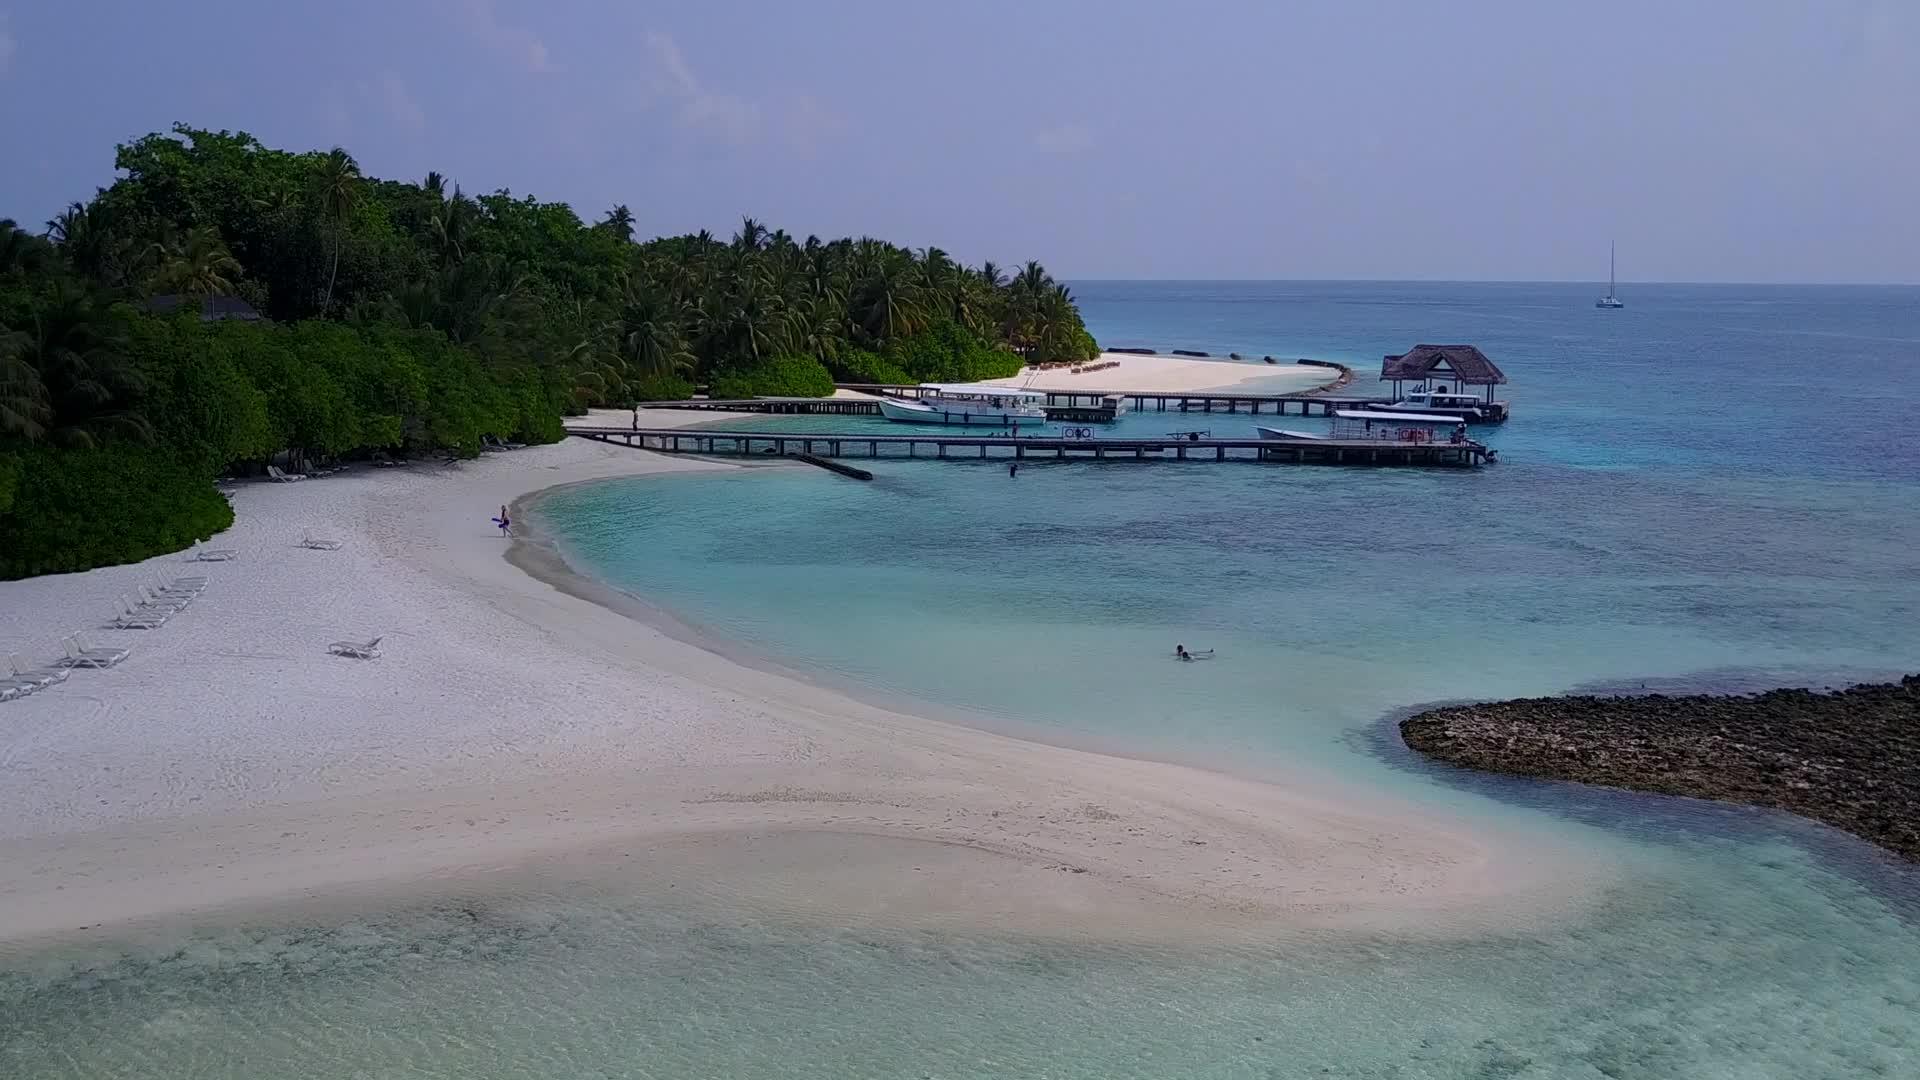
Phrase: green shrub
{"type": "Point", "coordinates": [78, 509]}
{"type": "Point", "coordinates": [861, 366]}
{"type": "Point", "coordinates": [782, 376]}
{"type": "Point", "coordinates": [949, 352]}
{"type": "Point", "coordinates": [662, 388]}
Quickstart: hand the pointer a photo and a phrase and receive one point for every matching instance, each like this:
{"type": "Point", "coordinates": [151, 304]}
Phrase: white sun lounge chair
{"type": "Point", "coordinates": [359, 650]}
{"type": "Point", "coordinates": [177, 589]}
{"type": "Point", "coordinates": [40, 677]}
{"type": "Point", "coordinates": [130, 617]}
{"type": "Point", "coordinates": [203, 554]}
{"type": "Point", "coordinates": [274, 474]}
{"type": "Point", "coordinates": [79, 655]}
{"type": "Point", "coordinates": [153, 601]}
{"type": "Point", "coordinates": [318, 543]}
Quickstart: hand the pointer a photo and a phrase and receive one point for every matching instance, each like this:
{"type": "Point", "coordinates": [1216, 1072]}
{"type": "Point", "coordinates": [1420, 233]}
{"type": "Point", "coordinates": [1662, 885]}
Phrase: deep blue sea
{"type": "Point", "coordinates": [1718, 486]}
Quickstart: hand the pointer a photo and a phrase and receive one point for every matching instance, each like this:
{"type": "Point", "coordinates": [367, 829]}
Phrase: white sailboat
{"type": "Point", "coordinates": [1610, 300]}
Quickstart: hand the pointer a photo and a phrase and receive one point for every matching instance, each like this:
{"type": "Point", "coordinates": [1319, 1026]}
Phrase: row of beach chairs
{"type": "Point", "coordinates": [156, 603]}
{"type": "Point", "coordinates": [20, 680]}
{"type": "Point", "coordinates": [149, 607]}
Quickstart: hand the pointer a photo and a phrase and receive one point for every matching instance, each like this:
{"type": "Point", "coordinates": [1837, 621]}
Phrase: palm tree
{"type": "Point", "coordinates": [619, 222]}
{"type": "Point", "coordinates": [816, 327]}
{"type": "Point", "coordinates": [653, 341]}
{"type": "Point", "coordinates": [19, 249]}
{"type": "Point", "coordinates": [199, 266]}
{"type": "Point", "coordinates": [888, 303]}
{"type": "Point", "coordinates": [76, 346]}
{"type": "Point", "coordinates": [451, 224]}
{"type": "Point", "coordinates": [337, 188]}
{"type": "Point", "coordinates": [435, 185]}
{"type": "Point", "coordinates": [23, 397]}
{"type": "Point", "coordinates": [751, 236]}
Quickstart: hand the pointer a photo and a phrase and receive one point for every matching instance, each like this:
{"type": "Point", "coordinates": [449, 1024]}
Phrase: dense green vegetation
{"type": "Point", "coordinates": [412, 318]}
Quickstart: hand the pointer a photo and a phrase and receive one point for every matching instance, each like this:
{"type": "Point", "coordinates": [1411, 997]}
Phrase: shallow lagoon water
{"type": "Point", "coordinates": [1642, 526]}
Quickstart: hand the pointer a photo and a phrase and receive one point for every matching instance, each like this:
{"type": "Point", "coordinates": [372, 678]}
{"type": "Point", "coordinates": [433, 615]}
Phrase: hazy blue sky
{"type": "Point", "coordinates": [1746, 140]}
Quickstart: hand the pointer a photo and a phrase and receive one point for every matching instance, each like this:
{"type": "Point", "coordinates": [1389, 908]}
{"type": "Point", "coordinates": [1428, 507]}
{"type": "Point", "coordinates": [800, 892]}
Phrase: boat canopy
{"type": "Point", "coordinates": [977, 390]}
{"type": "Point", "coordinates": [1396, 417]}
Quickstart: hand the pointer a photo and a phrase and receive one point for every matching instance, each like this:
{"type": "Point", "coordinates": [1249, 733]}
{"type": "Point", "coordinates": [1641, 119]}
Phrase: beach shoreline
{"type": "Point", "coordinates": [1176, 374]}
{"type": "Point", "coordinates": [231, 765]}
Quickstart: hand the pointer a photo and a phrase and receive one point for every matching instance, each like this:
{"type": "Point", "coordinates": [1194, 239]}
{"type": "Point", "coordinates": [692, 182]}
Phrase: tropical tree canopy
{"type": "Point", "coordinates": [414, 317]}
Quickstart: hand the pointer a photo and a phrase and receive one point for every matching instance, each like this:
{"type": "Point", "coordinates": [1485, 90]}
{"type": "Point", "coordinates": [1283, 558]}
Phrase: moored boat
{"type": "Point", "coordinates": [1383, 426]}
{"type": "Point", "coordinates": [1284, 435]}
{"type": "Point", "coordinates": [968, 404]}
{"type": "Point", "coordinates": [1428, 401]}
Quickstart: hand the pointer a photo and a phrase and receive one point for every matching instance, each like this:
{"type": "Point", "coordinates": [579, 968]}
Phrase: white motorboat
{"type": "Point", "coordinates": [1428, 401]}
{"type": "Point", "coordinates": [1384, 426]}
{"type": "Point", "coordinates": [1283, 435]}
{"type": "Point", "coordinates": [968, 404]}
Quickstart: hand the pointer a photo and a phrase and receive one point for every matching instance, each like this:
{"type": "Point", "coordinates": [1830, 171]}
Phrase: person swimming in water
{"type": "Point", "coordinates": [1180, 653]}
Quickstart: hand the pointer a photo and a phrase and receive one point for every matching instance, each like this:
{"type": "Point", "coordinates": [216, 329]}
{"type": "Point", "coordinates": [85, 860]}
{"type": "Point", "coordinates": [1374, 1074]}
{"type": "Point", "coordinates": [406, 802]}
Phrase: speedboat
{"type": "Point", "coordinates": [968, 404]}
{"type": "Point", "coordinates": [1283, 435]}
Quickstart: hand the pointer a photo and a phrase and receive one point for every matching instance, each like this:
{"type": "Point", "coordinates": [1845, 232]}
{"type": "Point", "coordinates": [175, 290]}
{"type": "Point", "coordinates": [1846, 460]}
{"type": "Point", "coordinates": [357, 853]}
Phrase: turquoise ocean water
{"type": "Point", "coordinates": [1717, 487]}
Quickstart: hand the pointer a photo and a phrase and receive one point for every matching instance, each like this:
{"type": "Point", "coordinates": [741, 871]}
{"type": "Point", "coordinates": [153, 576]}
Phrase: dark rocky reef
{"type": "Point", "coordinates": [1849, 758]}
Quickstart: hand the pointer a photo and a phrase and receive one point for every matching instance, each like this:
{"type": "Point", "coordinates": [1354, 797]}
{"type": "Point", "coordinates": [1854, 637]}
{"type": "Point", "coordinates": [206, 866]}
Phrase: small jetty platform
{"type": "Point", "coordinates": [1185, 447]}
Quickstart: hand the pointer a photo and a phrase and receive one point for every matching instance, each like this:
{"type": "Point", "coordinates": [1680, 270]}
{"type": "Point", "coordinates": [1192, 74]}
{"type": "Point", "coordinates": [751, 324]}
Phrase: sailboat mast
{"type": "Point", "coordinates": [1610, 282]}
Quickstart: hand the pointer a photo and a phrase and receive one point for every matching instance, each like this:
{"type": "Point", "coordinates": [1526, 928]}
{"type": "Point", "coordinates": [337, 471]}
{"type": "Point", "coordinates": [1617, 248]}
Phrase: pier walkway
{"type": "Point", "coordinates": [1064, 405]}
{"type": "Point", "coordinates": [1023, 448]}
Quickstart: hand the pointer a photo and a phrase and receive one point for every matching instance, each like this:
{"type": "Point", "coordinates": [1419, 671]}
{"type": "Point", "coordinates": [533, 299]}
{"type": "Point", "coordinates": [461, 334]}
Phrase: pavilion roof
{"type": "Point", "coordinates": [1462, 363]}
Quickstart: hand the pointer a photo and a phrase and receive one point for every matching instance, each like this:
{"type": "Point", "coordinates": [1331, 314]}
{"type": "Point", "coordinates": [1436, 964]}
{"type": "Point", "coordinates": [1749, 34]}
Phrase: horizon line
{"type": "Point", "coordinates": [1506, 281]}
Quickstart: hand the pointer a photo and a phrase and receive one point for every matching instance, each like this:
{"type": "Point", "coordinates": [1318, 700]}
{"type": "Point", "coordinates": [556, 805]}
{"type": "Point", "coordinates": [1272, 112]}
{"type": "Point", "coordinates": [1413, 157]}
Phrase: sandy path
{"type": "Point", "coordinates": [231, 762]}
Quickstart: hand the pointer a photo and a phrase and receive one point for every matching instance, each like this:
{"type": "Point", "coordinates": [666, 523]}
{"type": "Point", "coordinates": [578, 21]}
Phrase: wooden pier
{"type": "Point", "coordinates": [1310, 403]}
{"type": "Point", "coordinates": [1063, 406]}
{"type": "Point", "coordinates": [1023, 448]}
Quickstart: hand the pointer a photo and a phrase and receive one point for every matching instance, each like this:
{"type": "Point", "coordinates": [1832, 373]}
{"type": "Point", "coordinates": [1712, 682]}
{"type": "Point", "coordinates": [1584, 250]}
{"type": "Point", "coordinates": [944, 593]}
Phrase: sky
{"type": "Point", "coordinates": [1713, 140]}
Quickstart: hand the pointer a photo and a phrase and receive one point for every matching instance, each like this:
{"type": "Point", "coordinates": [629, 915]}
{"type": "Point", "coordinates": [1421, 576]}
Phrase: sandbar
{"type": "Point", "coordinates": [232, 764]}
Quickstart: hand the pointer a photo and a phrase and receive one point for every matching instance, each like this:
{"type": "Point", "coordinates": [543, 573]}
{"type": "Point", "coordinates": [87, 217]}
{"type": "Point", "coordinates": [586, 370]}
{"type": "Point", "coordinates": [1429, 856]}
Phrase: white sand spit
{"type": "Point", "coordinates": [232, 762]}
{"type": "Point", "coordinates": [1177, 373]}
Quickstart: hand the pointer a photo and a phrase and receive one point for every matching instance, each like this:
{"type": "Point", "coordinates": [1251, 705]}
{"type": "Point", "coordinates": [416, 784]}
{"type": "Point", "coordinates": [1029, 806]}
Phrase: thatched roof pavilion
{"type": "Point", "coordinates": [1464, 364]}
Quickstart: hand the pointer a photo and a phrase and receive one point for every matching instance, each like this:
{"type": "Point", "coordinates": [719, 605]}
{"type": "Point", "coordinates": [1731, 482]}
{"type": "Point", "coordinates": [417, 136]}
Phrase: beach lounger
{"type": "Point", "coordinates": [359, 650]}
{"type": "Point", "coordinates": [200, 554]}
{"type": "Point", "coordinates": [132, 618]}
{"type": "Point", "coordinates": [318, 543]}
{"type": "Point", "coordinates": [40, 677]}
{"type": "Point", "coordinates": [274, 474]}
{"type": "Point", "coordinates": [79, 655]}
{"type": "Point", "coordinates": [152, 601]}
{"type": "Point", "coordinates": [181, 588]}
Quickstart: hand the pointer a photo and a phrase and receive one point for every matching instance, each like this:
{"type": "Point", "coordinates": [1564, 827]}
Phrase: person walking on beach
{"type": "Point", "coordinates": [505, 523]}
{"type": "Point", "coordinates": [1013, 470]}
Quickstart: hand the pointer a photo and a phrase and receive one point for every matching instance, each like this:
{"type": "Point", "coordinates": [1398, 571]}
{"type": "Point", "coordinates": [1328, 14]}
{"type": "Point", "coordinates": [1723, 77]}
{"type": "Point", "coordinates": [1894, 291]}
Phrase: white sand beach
{"type": "Point", "coordinates": [1175, 373]}
{"type": "Point", "coordinates": [231, 762]}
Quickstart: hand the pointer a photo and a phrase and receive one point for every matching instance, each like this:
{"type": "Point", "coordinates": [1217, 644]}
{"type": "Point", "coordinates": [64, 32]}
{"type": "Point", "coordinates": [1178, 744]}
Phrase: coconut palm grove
{"type": "Point", "coordinates": [222, 304]}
